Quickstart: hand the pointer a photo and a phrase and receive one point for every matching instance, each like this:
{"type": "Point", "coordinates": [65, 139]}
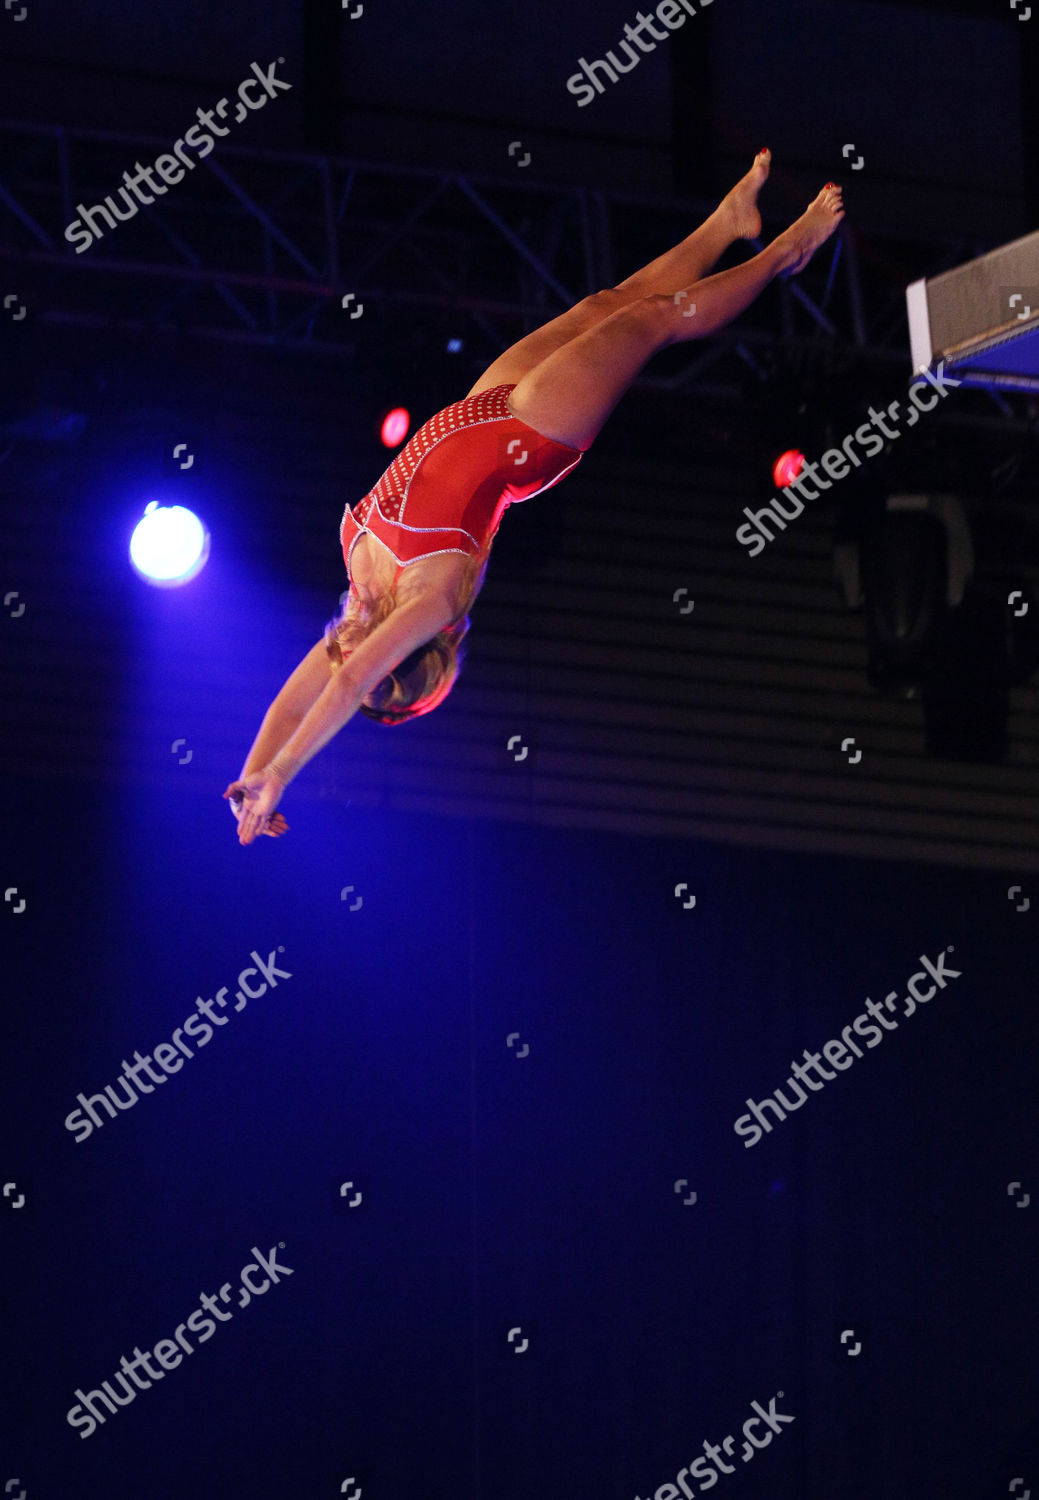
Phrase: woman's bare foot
{"type": "Point", "coordinates": [740, 204]}
{"type": "Point", "coordinates": [812, 229]}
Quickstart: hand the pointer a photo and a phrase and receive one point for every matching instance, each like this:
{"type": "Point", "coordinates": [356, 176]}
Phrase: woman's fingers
{"type": "Point", "coordinates": [252, 821]}
{"type": "Point", "coordinates": [251, 826]}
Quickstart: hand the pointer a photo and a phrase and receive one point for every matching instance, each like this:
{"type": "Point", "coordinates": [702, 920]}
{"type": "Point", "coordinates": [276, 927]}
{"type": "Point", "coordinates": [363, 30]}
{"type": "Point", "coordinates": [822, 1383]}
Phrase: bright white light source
{"type": "Point", "coordinates": [169, 545]}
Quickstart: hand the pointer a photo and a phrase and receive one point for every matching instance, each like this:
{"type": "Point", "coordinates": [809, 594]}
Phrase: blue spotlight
{"type": "Point", "coordinates": [455, 346]}
{"type": "Point", "coordinates": [169, 545]}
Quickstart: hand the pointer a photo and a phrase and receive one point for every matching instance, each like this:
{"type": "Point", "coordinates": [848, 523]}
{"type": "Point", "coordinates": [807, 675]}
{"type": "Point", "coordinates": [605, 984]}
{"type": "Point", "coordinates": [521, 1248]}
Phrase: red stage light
{"type": "Point", "coordinates": [787, 467]}
{"type": "Point", "coordinates": [395, 426]}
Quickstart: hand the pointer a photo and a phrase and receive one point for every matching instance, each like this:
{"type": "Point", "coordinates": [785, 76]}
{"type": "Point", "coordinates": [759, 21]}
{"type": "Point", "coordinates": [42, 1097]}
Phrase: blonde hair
{"type": "Point", "coordinates": [422, 681]}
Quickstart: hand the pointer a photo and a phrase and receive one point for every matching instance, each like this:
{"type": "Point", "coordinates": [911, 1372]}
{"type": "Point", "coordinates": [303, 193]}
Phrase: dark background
{"type": "Point", "coordinates": [504, 1190]}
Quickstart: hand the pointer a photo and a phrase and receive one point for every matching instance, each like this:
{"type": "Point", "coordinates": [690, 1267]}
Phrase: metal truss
{"type": "Point", "coordinates": [287, 249]}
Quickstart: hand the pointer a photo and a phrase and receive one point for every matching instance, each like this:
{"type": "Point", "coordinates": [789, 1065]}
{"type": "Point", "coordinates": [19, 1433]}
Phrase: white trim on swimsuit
{"type": "Point", "coordinates": [372, 494]}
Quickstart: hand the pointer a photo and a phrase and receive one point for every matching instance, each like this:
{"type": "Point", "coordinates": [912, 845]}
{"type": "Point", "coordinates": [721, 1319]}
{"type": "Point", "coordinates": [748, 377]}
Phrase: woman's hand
{"type": "Point", "coordinates": [254, 802]}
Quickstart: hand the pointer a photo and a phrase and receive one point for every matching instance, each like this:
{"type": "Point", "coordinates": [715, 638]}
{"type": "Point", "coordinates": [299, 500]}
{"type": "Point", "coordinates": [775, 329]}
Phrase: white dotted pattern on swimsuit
{"type": "Point", "coordinates": [391, 492]}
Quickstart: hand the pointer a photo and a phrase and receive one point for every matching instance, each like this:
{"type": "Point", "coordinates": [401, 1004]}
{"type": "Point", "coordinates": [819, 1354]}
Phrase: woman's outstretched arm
{"type": "Point", "coordinates": [290, 707]}
{"type": "Point", "coordinates": [281, 720]}
{"type": "Point", "coordinates": [410, 625]}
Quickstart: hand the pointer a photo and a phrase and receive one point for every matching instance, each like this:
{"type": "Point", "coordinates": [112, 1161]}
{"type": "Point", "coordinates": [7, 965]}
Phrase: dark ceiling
{"type": "Point", "coordinates": [452, 86]}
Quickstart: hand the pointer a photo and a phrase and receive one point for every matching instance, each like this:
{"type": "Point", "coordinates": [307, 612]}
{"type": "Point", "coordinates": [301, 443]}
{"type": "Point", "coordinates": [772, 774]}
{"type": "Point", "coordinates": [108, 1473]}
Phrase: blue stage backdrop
{"type": "Point", "coordinates": [447, 1159]}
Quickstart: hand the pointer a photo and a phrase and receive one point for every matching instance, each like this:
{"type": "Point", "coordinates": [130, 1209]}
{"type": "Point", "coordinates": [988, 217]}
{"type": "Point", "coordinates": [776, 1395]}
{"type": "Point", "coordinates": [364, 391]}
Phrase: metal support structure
{"type": "Point", "coordinates": [262, 246]}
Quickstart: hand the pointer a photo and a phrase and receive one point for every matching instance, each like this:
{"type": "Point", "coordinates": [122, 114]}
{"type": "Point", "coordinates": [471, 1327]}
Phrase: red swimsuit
{"type": "Point", "coordinates": [451, 483]}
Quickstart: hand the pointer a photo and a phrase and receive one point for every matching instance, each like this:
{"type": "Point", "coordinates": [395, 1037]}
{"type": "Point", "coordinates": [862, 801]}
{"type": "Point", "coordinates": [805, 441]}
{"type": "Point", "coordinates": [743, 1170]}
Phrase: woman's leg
{"type": "Point", "coordinates": [736, 217]}
{"type": "Point", "coordinates": [569, 395]}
